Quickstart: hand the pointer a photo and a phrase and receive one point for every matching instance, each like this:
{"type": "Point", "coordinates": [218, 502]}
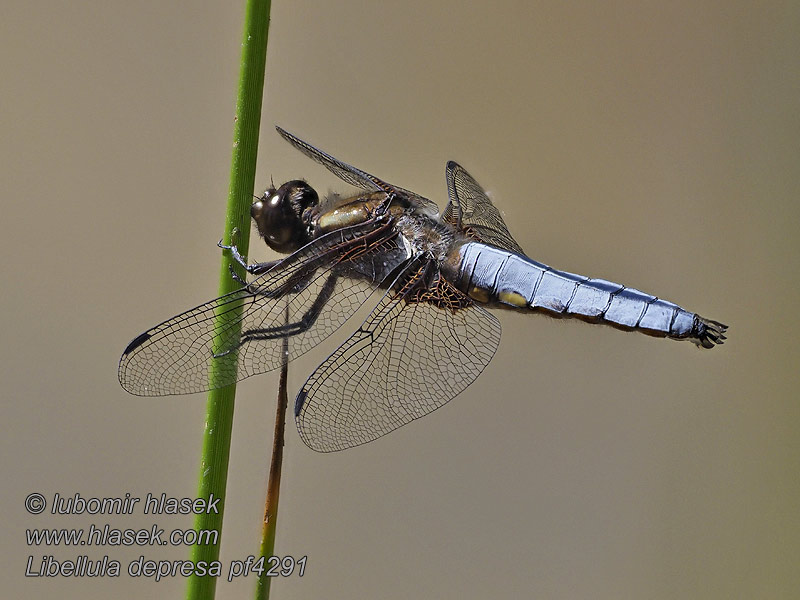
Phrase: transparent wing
{"type": "Point", "coordinates": [471, 210]}
{"type": "Point", "coordinates": [320, 286]}
{"type": "Point", "coordinates": [415, 352]}
{"type": "Point", "coordinates": [355, 176]}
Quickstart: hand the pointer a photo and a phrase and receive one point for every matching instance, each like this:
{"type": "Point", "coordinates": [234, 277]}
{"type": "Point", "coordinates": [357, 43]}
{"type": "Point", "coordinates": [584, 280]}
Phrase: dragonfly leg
{"type": "Point", "coordinates": [254, 269]}
{"type": "Point", "coordinates": [237, 279]}
{"type": "Point", "coordinates": [299, 326]}
{"type": "Point", "coordinates": [384, 206]}
{"type": "Point", "coordinates": [288, 329]}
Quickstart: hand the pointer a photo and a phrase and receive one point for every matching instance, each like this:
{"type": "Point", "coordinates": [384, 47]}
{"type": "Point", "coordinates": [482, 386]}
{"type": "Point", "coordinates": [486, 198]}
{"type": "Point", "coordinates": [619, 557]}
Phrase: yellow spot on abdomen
{"type": "Point", "coordinates": [512, 298]}
{"type": "Point", "coordinates": [479, 294]}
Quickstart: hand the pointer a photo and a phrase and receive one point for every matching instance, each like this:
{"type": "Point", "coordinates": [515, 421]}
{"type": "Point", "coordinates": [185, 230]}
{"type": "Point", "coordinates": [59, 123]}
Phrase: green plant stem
{"type": "Point", "coordinates": [274, 481]}
{"type": "Point", "coordinates": [219, 410]}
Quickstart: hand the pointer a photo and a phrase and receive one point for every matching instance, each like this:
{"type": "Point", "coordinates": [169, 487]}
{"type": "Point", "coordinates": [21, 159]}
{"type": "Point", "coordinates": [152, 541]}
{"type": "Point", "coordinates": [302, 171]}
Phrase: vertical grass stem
{"type": "Point", "coordinates": [219, 409]}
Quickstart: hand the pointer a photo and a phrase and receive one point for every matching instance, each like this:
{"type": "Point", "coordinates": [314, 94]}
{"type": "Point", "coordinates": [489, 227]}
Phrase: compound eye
{"type": "Point", "coordinates": [299, 195]}
{"type": "Point", "coordinates": [278, 215]}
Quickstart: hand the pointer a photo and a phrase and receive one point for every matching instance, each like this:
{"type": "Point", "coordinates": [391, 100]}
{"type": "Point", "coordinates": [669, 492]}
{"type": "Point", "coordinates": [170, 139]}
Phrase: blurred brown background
{"type": "Point", "coordinates": [651, 144]}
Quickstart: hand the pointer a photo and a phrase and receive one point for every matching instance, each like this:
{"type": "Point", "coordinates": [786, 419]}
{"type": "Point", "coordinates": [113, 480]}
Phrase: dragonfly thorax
{"type": "Point", "coordinates": [427, 236]}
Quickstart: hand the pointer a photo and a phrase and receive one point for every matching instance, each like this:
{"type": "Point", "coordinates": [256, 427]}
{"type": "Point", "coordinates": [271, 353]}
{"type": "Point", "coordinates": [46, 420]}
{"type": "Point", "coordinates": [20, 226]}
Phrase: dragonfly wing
{"type": "Point", "coordinates": [471, 210]}
{"type": "Point", "coordinates": [414, 353]}
{"type": "Point", "coordinates": [355, 176]}
{"type": "Point", "coordinates": [240, 334]}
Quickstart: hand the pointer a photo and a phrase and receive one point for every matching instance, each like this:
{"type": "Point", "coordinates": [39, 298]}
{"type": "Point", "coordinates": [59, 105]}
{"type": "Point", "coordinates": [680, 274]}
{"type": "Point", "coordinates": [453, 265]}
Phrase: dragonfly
{"type": "Point", "coordinates": [435, 276]}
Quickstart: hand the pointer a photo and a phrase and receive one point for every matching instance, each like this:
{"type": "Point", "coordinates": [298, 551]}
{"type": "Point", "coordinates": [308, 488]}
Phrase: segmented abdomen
{"type": "Point", "coordinates": [490, 274]}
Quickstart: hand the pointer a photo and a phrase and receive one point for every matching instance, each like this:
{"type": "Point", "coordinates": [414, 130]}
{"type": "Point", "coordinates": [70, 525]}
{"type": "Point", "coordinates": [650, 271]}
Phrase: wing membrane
{"type": "Point", "coordinates": [355, 176]}
{"type": "Point", "coordinates": [410, 357]}
{"type": "Point", "coordinates": [471, 210]}
{"type": "Point", "coordinates": [322, 284]}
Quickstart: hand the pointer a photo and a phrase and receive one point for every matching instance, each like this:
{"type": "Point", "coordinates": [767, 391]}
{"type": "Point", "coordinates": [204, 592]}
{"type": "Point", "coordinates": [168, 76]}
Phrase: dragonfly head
{"type": "Point", "coordinates": [278, 215]}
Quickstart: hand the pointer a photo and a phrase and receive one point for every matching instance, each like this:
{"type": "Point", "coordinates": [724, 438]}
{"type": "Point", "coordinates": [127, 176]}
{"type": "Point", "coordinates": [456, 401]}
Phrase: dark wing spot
{"type": "Point", "coordinates": [299, 401]}
{"type": "Point", "coordinates": [136, 342]}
